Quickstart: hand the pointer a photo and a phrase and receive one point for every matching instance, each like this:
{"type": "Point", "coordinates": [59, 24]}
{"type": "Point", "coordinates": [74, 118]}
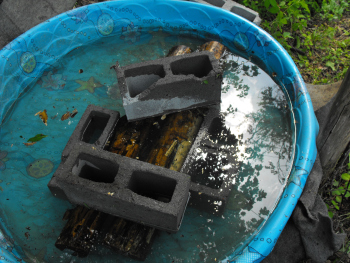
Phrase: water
{"type": "Point", "coordinates": [253, 110]}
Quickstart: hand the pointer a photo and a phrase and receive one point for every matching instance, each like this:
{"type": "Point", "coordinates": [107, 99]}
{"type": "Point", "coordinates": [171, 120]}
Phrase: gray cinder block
{"type": "Point", "coordinates": [242, 11]}
{"type": "Point", "coordinates": [212, 164]}
{"type": "Point", "coordinates": [95, 127]}
{"type": "Point", "coordinates": [169, 84]}
{"type": "Point", "coordinates": [123, 187]}
{"type": "Point", "coordinates": [234, 7]}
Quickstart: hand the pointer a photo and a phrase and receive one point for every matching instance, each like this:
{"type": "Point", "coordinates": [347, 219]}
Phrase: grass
{"type": "Point", "coordinates": [314, 32]}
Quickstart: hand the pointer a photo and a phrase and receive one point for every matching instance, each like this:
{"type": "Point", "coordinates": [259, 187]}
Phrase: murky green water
{"type": "Point", "coordinates": [253, 110]}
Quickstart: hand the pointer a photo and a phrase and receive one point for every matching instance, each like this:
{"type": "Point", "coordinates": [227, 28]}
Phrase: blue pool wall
{"type": "Point", "coordinates": [23, 60]}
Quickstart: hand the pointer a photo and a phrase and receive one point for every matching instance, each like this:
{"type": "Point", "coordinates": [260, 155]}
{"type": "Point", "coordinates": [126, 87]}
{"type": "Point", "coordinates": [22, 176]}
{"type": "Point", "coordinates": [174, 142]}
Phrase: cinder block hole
{"type": "Point", "coordinates": [152, 186]}
{"type": "Point", "coordinates": [218, 3]}
{"type": "Point", "coordinates": [243, 13]}
{"type": "Point", "coordinates": [95, 127]}
{"type": "Point", "coordinates": [95, 169]}
{"type": "Point", "coordinates": [140, 79]}
{"type": "Point", "coordinates": [200, 66]}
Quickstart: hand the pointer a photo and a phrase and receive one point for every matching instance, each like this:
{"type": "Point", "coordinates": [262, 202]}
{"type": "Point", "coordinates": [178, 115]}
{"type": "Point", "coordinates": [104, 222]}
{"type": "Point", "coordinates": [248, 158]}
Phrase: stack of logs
{"type": "Point", "coordinates": [163, 141]}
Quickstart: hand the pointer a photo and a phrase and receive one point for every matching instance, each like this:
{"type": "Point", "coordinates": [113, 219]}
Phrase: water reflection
{"type": "Point", "coordinates": [261, 120]}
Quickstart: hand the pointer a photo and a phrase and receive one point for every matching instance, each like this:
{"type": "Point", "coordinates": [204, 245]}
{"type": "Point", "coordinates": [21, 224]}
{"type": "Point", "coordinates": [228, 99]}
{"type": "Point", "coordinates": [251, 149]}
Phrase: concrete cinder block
{"type": "Point", "coordinates": [234, 7]}
{"type": "Point", "coordinates": [169, 84]}
{"type": "Point", "coordinates": [95, 127]}
{"type": "Point", "coordinates": [242, 11]}
{"type": "Point", "coordinates": [123, 187]}
{"type": "Point", "coordinates": [212, 164]}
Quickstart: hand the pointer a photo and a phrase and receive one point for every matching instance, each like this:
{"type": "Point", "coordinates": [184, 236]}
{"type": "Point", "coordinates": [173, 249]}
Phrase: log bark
{"type": "Point", "coordinates": [334, 135]}
{"type": "Point", "coordinates": [81, 230]}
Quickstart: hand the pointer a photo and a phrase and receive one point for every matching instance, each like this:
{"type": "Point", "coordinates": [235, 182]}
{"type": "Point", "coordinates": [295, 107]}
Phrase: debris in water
{"type": "Point", "coordinates": [28, 227]}
{"type": "Point", "coordinates": [37, 138]}
{"type": "Point", "coordinates": [29, 143]}
{"type": "Point", "coordinates": [171, 148]}
{"type": "Point", "coordinates": [43, 116]}
{"type": "Point", "coordinates": [74, 112]}
{"type": "Point", "coordinates": [81, 71]}
{"type": "Point", "coordinates": [65, 116]}
{"type": "Point", "coordinates": [27, 235]}
{"type": "Point", "coordinates": [163, 117]}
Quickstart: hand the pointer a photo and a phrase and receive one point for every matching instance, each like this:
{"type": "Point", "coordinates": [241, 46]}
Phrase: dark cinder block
{"type": "Point", "coordinates": [169, 84]}
{"type": "Point", "coordinates": [123, 187]}
{"type": "Point", "coordinates": [95, 127]}
{"type": "Point", "coordinates": [234, 7]}
{"type": "Point", "coordinates": [212, 164]}
{"type": "Point", "coordinates": [243, 11]}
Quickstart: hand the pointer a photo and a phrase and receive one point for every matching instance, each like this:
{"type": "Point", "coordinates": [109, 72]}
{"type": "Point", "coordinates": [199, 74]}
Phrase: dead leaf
{"type": "Point", "coordinates": [43, 116]}
{"type": "Point", "coordinates": [29, 143]}
{"type": "Point", "coordinates": [65, 116]}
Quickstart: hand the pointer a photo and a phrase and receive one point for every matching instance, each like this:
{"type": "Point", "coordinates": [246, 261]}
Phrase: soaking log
{"type": "Point", "coordinates": [163, 141]}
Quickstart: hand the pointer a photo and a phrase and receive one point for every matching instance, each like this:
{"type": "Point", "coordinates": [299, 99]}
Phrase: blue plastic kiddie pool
{"type": "Point", "coordinates": [34, 58]}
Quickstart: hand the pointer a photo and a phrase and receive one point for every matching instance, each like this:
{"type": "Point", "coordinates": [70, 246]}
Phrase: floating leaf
{"type": "Point", "coordinates": [65, 116]}
{"type": "Point", "coordinates": [205, 82]}
{"type": "Point", "coordinates": [37, 138]}
{"type": "Point", "coordinates": [345, 176]}
{"type": "Point", "coordinates": [29, 143]}
{"type": "Point", "coordinates": [43, 116]}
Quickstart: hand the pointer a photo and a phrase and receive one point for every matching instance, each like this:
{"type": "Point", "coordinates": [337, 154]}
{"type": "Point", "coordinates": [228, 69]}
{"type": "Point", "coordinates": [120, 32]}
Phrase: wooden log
{"type": "Point", "coordinates": [81, 230]}
{"type": "Point", "coordinates": [129, 238]}
{"type": "Point", "coordinates": [215, 47]}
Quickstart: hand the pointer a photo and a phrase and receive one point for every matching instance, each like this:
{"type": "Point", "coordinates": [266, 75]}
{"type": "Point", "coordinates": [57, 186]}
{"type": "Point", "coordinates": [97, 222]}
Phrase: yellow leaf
{"type": "Point", "coordinates": [43, 116]}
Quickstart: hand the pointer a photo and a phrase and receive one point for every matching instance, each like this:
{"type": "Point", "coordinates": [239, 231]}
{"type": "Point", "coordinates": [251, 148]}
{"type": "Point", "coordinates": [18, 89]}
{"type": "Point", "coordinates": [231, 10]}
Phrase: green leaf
{"type": "Point", "coordinates": [338, 199]}
{"type": "Point", "coordinates": [284, 22]}
{"type": "Point", "coordinates": [347, 194]}
{"type": "Point", "coordinates": [336, 192]}
{"type": "Point", "coordinates": [287, 35]}
{"type": "Point", "coordinates": [283, 3]}
{"type": "Point", "coordinates": [273, 3]}
{"type": "Point", "coordinates": [331, 65]}
{"type": "Point", "coordinates": [345, 176]}
{"type": "Point", "coordinates": [267, 3]}
{"type": "Point", "coordinates": [306, 7]}
{"type": "Point", "coordinates": [298, 42]}
{"type": "Point", "coordinates": [330, 214]}
{"type": "Point", "coordinates": [335, 205]}
{"type": "Point", "coordinates": [37, 138]}
{"type": "Point", "coordinates": [335, 183]}
{"type": "Point", "coordinates": [205, 82]}
{"type": "Point", "coordinates": [348, 165]}
{"type": "Point", "coordinates": [274, 10]}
